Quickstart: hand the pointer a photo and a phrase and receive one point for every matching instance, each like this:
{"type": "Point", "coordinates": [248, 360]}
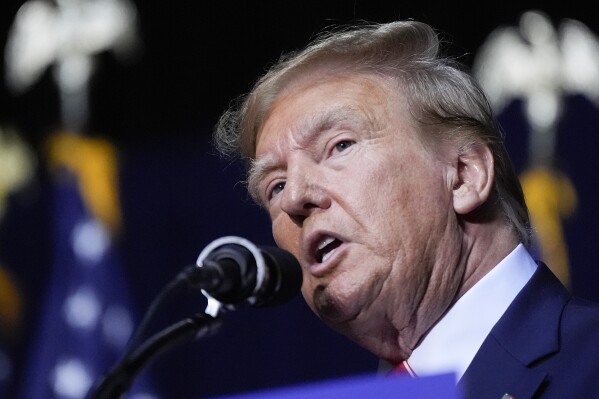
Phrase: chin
{"type": "Point", "coordinates": [332, 308]}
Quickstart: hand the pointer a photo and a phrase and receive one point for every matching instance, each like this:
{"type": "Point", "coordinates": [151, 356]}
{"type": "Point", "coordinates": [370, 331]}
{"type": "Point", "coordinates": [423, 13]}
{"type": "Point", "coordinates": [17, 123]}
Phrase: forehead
{"type": "Point", "coordinates": [319, 102]}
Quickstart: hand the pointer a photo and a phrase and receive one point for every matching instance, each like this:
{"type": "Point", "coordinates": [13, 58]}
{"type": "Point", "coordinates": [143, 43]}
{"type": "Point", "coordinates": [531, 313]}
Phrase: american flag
{"type": "Point", "coordinates": [86, 318]}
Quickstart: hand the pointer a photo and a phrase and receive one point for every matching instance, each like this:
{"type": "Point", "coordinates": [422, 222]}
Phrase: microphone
{"type": "Point", "coordinates": [231, 270]}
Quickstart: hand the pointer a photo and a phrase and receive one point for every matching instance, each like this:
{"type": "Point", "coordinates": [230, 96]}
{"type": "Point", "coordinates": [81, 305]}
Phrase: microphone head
{"type": "Point", "coordinates": [259, 276]}
{"type": "Point", "coordinates": [284, 280]}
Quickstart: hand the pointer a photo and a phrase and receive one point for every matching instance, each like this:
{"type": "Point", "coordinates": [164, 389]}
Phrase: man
{"type": "Point", "coordinates": [384, 173]}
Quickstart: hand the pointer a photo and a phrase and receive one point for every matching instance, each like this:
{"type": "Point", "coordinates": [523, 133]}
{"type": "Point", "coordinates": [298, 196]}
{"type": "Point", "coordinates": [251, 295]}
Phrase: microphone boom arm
{"type": "Point", "coordinates": [117, 381]}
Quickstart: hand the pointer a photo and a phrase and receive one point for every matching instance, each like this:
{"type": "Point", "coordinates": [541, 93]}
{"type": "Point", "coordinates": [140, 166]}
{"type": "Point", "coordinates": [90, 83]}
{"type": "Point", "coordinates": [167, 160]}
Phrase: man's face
{"type": "Point", "coordinates": [355, 195]}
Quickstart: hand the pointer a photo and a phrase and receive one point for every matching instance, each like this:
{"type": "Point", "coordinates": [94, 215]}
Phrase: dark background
{"type": "Point", "coordinates": [177, 195]}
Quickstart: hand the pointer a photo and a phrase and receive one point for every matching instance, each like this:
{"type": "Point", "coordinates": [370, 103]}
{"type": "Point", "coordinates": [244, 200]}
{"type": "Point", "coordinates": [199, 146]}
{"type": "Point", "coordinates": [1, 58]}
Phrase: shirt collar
{"type": "Point", "coordinates": [452, 343]}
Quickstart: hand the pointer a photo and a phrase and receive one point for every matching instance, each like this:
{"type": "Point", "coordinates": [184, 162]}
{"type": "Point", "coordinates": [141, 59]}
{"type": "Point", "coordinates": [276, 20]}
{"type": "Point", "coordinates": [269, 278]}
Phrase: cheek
{"type": "Point", "coordinates": [286, 234]}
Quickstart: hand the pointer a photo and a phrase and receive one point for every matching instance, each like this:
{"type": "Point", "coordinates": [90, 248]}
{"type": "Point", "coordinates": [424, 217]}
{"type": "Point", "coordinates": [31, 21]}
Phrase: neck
{"type": "Point", "coordinates": [485, 246]}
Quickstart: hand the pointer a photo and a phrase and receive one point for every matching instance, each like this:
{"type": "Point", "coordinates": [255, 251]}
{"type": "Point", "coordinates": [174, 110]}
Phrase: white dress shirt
{"type": "Point", "coordinates": [452, 343]}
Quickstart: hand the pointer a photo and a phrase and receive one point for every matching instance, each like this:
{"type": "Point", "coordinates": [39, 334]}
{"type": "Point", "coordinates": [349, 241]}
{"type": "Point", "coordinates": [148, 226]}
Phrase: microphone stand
{"type": "Point", "coordinates": [118, 380]}
{"type": "Point", "coordinates": [216, 262]}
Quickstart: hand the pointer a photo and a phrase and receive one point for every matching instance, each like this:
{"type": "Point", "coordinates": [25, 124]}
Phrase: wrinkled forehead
{"type": "Point", "coordinates": [276, 83]}
{"type": "Point", "coordinates": [291, 86]}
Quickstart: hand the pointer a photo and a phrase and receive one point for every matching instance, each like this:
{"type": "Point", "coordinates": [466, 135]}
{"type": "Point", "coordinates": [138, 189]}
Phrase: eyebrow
{"type": "Point", "coordinates": [307, 131]}
{"type": "Point", "coordinates": [258, 170]}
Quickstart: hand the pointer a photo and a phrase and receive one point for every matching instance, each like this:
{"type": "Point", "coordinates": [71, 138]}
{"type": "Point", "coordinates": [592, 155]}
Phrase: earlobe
{"type": "Point", "coordinates": [474, 179]}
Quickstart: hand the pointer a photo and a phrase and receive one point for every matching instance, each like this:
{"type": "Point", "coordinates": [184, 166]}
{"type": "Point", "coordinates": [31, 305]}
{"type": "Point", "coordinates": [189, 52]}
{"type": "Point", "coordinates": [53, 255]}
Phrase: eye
{"type": "Point", "coordinates": [276, 189]}
{"type": "Point", "coordinates": [343, 145]}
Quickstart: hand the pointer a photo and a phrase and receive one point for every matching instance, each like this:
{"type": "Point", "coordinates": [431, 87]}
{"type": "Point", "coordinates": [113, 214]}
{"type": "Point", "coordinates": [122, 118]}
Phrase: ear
{"type": "Point", "coordinates": [475, 174]}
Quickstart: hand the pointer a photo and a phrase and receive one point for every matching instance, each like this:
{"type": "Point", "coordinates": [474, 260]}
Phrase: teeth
{"type": "Point", "coordinates": [327, 255]}
{"type": "Point", "coordinates": [325, 242]}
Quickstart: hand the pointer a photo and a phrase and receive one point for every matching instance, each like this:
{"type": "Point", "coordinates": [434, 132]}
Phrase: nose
{"type": "Point", "coordinates": [305, 193]}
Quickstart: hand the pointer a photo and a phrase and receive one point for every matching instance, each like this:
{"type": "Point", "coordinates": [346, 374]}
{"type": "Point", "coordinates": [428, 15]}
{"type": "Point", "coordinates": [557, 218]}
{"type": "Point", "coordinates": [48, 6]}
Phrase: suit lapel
{"type": "Point", "coordinates": [495, 372]}
{"type": "Point", "coordinates": [527, 332]}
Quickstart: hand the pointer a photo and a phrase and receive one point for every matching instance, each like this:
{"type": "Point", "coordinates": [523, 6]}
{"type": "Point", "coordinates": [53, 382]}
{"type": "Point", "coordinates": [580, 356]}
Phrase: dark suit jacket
{"type": "Point", "coordinates": [546, 345]}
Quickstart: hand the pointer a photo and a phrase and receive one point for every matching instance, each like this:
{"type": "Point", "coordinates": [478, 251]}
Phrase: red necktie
{"type": "Point", "coordinates": [403, 368]}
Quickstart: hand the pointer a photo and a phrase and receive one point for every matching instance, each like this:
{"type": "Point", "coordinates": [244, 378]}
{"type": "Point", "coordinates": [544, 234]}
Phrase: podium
{"type": "Point", "coordinates": [364, 387]}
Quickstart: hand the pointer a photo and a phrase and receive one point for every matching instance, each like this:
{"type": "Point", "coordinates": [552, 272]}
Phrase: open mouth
{"type": "Point", "coordinates": [326, 248]}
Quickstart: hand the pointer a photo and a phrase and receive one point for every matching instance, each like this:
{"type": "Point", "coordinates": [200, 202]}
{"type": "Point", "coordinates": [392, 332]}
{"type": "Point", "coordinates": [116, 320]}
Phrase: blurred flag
{"type": "Point", "coordinates": [86, 318]}
{"type": "Point", "coordinates": [542, 66]}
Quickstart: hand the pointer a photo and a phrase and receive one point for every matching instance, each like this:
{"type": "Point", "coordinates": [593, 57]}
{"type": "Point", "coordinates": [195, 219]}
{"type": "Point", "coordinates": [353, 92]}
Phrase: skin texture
{"type": "Point", "coordinates": [339, 156]}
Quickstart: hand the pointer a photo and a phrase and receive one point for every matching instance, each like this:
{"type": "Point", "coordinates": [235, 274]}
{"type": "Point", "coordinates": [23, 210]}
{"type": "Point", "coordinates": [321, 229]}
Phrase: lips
{"type": "Point", "coordinates": [320, 249]}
